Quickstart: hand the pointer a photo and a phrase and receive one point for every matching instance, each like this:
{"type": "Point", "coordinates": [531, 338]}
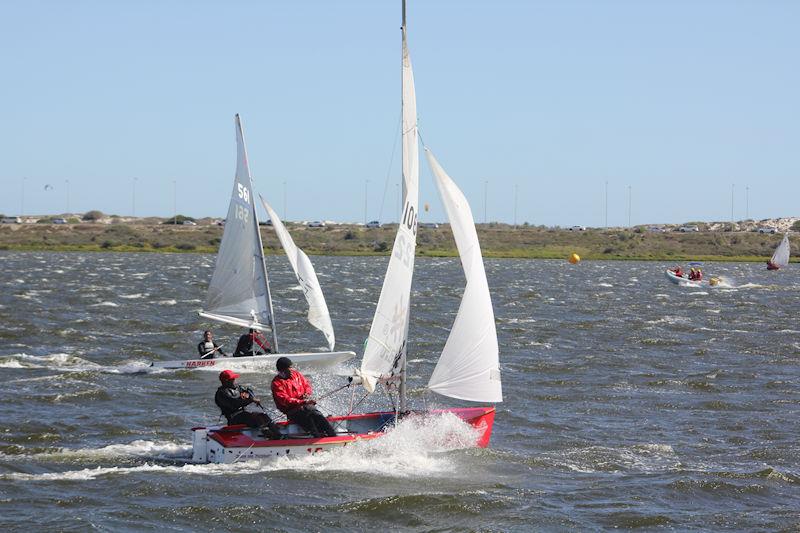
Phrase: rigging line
{"type": "Point", "coordinates": [334, 391]}
{"type": "Point", "coordinates": [353, 408]}
{"type": "Point", "coordinates": [391, 162]}
{"type": "Point", "coordinates": [388, 393]}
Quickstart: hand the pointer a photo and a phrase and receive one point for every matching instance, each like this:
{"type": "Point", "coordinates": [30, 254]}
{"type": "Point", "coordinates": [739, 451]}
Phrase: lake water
{"type": "Point", "coordinates": [629, 402]}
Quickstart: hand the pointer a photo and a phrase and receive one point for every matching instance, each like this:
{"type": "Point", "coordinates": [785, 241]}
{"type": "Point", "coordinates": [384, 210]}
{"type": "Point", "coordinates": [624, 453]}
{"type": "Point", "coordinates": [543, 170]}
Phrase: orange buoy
{"type": "Point", "coordinates": [574, 259]}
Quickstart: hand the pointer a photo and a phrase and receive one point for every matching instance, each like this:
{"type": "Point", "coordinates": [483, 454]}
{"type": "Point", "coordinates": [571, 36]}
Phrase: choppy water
{"type": "Point", "coordinates": [630, 402]}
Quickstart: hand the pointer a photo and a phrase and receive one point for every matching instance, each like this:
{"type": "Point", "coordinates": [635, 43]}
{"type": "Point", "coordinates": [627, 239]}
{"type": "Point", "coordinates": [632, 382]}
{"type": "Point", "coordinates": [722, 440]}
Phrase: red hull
{"type": "Point", "coordinates": [481, 418]}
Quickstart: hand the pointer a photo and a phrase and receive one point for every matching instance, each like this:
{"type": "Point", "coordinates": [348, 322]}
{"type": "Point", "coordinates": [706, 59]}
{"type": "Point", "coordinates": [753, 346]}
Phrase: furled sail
{"type": "Point", "coordinates": [781, 256]}
{"type": "Point", "coordinates": [239, 291]}
{"type": "Point", "coordinates": [318, 315]}
{"type": "Point", "coordinates": [385, 351]}
{"type": "Point", "coordinates": [469, 367]}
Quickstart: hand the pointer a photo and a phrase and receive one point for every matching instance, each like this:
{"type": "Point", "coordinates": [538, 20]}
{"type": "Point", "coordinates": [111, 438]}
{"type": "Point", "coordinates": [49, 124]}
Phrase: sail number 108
{"type": "Point", "coordinates": [410, 217]}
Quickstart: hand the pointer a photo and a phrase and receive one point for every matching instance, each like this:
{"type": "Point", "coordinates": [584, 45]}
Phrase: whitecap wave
{"type": "Point", "coordinates": [137, 448]}
{"type": "Point", "coordinates": [637, 458]}
{"type": "Point", "coordinates": [56, 361]}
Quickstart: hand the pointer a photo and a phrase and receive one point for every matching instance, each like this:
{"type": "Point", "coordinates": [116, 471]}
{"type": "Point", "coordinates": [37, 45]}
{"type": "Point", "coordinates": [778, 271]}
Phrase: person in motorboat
{"type": "Point", "coordinates": [233, 399]}
{"type": "Point", "coordinates": [292, 394]}
{"type": "Point", "coordinates": [698, 276]}
{"type": "Point", "coordinates": [252, 343]}
{"type": "Point", "coordinates": [207, 348]}
{"type": "Point", "coordinates": [678, 271]}
{"type": "Point", "coordinates": [692, 274]}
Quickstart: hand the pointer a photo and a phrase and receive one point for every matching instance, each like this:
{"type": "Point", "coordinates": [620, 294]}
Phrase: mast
{"type": "Point", "coordinates": [385, 350]}
{"type": "Point", "coordinates": [261, 254]}
{"type": "Point", "coordinates": [403, 390]}
{"type": "Point", "coordinates": [266, 282]}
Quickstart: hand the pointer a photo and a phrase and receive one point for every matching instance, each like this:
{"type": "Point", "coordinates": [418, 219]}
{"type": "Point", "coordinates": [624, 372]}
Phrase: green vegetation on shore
{"type": "Point", "coordinates": [497, 240]}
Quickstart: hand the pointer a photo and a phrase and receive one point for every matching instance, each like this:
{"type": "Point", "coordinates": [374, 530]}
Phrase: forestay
{"type": "Point", "coordinates": [781, 256]}
{"type": "Point", "coordinates": [469, 367]}
{"type": "Point", "coordinates": [385, 351]}
{"type": "Point", "coordinates": [238, 292]}
{"type": "Point", "coordinates": [318, 315]}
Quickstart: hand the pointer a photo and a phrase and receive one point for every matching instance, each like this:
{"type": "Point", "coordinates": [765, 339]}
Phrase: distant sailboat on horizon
{"type": "Point", "coordinates": [780, 258]}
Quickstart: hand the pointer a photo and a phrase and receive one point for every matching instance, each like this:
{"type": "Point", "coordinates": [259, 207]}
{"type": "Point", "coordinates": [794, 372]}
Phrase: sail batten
{"type": "Point", "coordinates": [385, 350]}
{"type": "Point", "coordinates": [468, 367]}
{"type": "Point", "coordinates": [238, 292]}
{"type": "Point", "coordinates": [318, 315]}
{"type": "Point", "coordinates": [781, 256]}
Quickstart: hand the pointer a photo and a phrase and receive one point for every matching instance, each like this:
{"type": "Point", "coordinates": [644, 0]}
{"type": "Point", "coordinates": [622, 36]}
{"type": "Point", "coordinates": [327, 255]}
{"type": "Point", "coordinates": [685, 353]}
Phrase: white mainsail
{"type": "Point", "coordinates": [781, 256]}
{"type": "Point", "coordinates": [239, 291]}
{"type": "Point", "coordinates": [385, 351]}
{"type": "Point", "coordinates": [469, 367]}
{"type": "Point", "coordinates": [318, 315]}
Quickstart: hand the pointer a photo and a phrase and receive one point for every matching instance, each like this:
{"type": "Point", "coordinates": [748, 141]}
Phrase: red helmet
{"type": "Point", "coordinates": [228, 375]}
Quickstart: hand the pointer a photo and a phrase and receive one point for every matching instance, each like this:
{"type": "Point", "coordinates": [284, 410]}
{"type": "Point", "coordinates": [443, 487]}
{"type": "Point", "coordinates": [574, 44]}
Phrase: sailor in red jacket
{"type": "Point", "coordinates": [292, 394]}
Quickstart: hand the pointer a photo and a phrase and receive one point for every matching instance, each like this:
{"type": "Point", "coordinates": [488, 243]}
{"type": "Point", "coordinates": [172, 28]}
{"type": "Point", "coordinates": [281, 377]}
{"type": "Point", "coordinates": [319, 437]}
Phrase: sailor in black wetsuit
{"type": "Point", "coordinates": [207, 348]}
{"type": "Point", "coordinates": [232, 399]}
{"type": "Point", "coordinates": [252, 343]}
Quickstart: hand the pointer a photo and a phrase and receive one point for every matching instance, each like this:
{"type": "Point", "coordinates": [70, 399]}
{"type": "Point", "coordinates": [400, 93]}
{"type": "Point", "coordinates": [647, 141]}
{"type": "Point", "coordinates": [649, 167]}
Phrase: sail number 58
{"type": "Point", "coordinates": [244, 194]}
{"type": "Point", "coordinates": [241, 212]}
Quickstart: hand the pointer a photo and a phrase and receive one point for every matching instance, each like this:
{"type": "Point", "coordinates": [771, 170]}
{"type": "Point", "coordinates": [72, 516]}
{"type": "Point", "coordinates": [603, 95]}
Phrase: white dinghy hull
{"type": "Point", "coordinates": [310, 361]}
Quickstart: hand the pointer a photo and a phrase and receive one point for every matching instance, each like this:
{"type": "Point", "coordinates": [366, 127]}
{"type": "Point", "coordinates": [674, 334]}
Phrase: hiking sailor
{"type": "Point", "coordinates": [233, 399]}
{"type": "Point", "coordinates": [207, 348]}
{"type": "Point", "coordinates": [292, 394]}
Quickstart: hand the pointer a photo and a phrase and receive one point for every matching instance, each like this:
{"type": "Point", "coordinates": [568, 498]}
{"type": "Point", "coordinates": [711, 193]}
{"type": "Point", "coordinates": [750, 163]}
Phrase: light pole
{"type": "Point", "coordinates": [485, 196]}
{"type": "Point", "coordinates": [133, 197]}
{"type": "Point", "coordinates": [629, 206]}
{"type": "Point", "coordinates": [747, 202]}
{"type": "Point", "coordinates": [366, 190]}
{"type": "Point", "coordinates": [516, 191]}
{"type": "Point", "coordinates": [66, 182]}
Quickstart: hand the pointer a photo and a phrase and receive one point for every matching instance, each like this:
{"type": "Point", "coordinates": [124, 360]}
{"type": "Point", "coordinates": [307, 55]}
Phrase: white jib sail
{"type": "Point", "coordinates": [469, 367]}
{"type": "Point", "coordinates": [238, 292]}
{"type": "Point", "coordinates": [781, 255]}
{"type": "Point", "coordinates": [318, 315]}
{"type": "Point", "coordinates": [385, 350]}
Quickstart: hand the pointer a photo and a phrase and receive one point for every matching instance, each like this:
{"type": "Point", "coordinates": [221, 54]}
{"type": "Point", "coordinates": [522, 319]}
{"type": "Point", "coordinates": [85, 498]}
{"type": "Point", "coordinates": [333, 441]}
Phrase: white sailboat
{"type": "Point", "coordinates": [468, 367]}
{"type": "Point", "coordinates": [239, 292]}
{"type": "Point", "coordinates": [780, 259]}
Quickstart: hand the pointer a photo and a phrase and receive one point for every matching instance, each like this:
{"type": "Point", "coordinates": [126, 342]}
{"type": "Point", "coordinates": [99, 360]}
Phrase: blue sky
{"type": "Point", "coordinates": [677, 100]}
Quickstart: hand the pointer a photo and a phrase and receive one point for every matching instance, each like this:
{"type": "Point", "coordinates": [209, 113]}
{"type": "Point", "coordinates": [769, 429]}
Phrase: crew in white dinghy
{"type": "Point", "coordinates": [208, 348]}
{"type": "Point", "coordinates": [252, 343]}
